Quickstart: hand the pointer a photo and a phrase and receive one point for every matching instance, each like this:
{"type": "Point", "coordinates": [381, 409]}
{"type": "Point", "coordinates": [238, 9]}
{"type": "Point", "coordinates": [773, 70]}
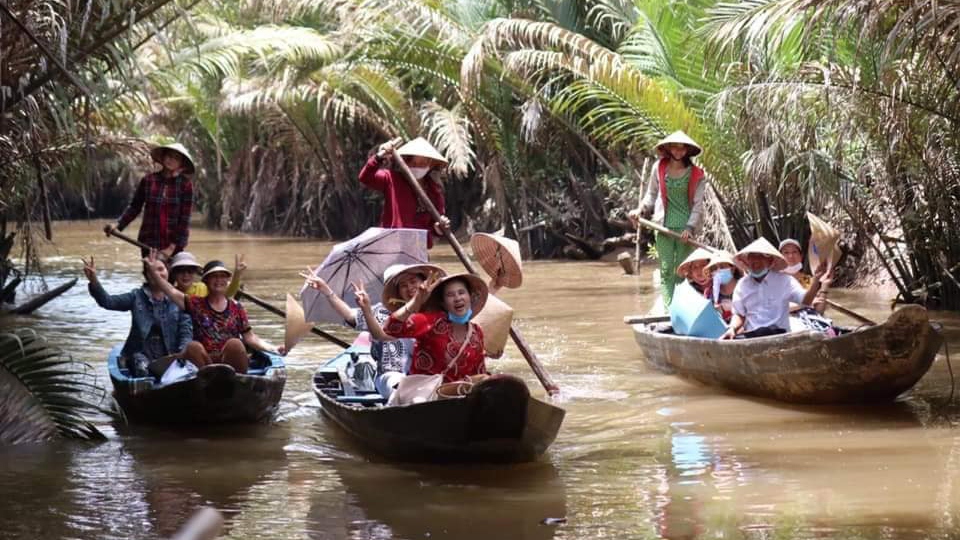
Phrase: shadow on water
{"type": "Point", "coordinates": [183, 469]}
{"type": "Point", "coordinates": [381, 499]}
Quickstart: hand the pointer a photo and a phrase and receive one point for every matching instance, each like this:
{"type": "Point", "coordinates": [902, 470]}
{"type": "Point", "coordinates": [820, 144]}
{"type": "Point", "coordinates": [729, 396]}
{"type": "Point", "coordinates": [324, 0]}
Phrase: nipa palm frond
{"type": "Point", "coordinates": [44, 392]}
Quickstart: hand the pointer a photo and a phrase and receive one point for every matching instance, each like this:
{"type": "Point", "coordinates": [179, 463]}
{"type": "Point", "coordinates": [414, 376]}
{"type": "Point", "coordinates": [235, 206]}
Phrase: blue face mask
{"type": "Point", "coordinates": [760, 274]}
{"type": "Point", "coordinates": [460, 319]}
{"type": "Point", "coordinates": [725, 275]}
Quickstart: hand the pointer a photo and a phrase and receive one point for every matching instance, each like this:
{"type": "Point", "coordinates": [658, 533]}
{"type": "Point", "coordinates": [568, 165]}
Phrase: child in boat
{"type": "Point", "coordinates": [220, 325]}
{"type": "Point", "coordinates": [439, 317]}
{"type": "Point", "coordinates": [158, 327]}
{"type": "Point", "coordinates": [694, 270]}
{"type": "Point", "coordinates": [724, 276]}
{"type": "Point", "coordinates": [393, 355]}
{"type": "Point", "coordinates": [674, 197]}
{"type": "Point", "coordinates": [761, 300]}
{"type": "Point", "coordinates": [184, 271]}
{"type": "Point", "coordinates": [166, 199]}
{"type": "Point", "coordinates": [401, 208]}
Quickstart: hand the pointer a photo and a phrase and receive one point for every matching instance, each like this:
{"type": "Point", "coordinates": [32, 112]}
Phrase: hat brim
{"type": "Point", "coordinates": [478, 293]}
{"type": "Point", "coordinates": [157, 154]}
{"type": "Point", "coordinates": [216, 269]}
{"type": "Point", "coordinates": [391, 289]}
{"type": "Point", "coordinates": [498, 259]}
{"type": "Point", "coordinates": [779, 263]}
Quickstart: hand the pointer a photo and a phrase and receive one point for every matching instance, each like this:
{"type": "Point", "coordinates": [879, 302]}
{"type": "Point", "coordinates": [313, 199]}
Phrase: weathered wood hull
{"type": "Point", "coordinates": [216, 395]}
{"type": "Point", "coordinates": [478, 428]}
{"type": "Point", "coordinates": [873, 364]}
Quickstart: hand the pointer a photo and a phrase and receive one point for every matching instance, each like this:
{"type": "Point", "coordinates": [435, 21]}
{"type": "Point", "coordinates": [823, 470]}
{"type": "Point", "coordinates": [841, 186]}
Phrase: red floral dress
{"type": "Point", "coordinates": [213, 328]}
{"type": "Point", "coordinates": [436, 347]}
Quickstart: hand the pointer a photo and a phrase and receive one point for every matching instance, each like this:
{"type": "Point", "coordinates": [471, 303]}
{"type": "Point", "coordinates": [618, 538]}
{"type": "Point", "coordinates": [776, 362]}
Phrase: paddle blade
{"type": "Point", "coordinates": [824, 243]}
{"type": "Point", "coordinates": [296, 324]}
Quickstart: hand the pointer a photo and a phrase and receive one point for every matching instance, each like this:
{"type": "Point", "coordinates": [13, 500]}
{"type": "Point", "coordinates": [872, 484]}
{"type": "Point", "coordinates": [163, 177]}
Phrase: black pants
{"type": "Point", "coordinates": [760, 332]}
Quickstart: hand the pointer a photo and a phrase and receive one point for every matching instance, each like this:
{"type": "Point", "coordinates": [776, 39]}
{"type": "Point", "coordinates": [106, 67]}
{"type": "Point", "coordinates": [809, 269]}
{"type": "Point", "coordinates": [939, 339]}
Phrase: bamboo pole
{"type": "Point", "coordinates": [245, 295]}
{"type": "Point", "coordinates": [531, 358]}
{"type": "Point", "coordinates": [663, 230]}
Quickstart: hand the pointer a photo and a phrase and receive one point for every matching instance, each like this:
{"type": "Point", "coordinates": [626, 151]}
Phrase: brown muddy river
{"type": "Point", "coordinates": [640, 454]}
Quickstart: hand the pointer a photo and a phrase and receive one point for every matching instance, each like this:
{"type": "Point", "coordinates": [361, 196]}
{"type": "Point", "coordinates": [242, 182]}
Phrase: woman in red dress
{"type": "Point", "coordinates": [447, 343]}
{"type": "Point", "coordinates": [401, 208]}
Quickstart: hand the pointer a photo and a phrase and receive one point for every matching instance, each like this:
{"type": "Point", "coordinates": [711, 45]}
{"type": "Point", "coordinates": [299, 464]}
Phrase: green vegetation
{"type": "Point", "coordinates": [847, 109]}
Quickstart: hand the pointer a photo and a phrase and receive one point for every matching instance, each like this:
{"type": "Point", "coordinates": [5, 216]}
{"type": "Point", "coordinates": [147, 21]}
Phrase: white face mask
{"type": "Point", "coordinates": [419, 172]}
{"type": "Point", "coordinates": [793, 268]}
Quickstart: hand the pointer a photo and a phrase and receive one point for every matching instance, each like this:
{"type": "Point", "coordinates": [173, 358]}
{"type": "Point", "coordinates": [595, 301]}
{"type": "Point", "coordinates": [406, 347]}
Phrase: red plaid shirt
{"type": "Point", "coordinates": [166, 204]}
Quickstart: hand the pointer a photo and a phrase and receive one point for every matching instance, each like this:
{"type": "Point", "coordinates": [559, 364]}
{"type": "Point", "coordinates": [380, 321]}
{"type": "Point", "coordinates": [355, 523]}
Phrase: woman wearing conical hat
{"type": "Point", "coordinates": [166, 199]}
{"type": "Point", "coordinates": [674, 197]}
{"type": "Point", "coordinates": [401, 208]}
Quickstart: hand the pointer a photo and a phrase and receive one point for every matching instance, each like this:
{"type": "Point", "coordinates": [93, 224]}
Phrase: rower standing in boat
{"type": "Point", "coordinates": [674, 196]}
{"type": "Point", "coordinates": [401, 207]}
{"type": "Point", "coordinates": [761, 300]}
{"type": "Point", "coordinates": [220, 325]}
{"type": "Point", "coordinates": [166, 199]}
{"type": "Point", "coordinates": [158, 327]}
{"type": "Point", "coordinates": [393, 355]}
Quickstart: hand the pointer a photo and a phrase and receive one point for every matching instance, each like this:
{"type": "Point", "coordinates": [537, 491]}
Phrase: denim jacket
{"type": "Point", "coordinates": [175, 325]}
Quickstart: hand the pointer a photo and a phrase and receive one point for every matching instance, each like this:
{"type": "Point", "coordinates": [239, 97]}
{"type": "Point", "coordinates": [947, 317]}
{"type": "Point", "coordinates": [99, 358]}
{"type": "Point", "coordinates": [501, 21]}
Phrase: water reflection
{"type": "Point", "coordinates": [381, 501]}
{"type": "Point", "coordinates": [640, 455]}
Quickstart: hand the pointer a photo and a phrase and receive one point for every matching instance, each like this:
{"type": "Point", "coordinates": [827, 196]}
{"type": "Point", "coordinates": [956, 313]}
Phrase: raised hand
{"type": "Point", "coordinates": [363, 299]}
{"type": "Point", "coordinates": [239, 265]}
{"type": "Point", "coordinates": [316, 282]}
{"type": "Point", "coordinates": [89, 269]}
{"type": "Point", "coordinates": [425, 288]}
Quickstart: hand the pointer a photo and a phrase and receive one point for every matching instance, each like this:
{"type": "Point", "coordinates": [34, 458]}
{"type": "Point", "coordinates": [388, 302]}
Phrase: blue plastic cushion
{"type": "Point", "coordinates": [693, 315]}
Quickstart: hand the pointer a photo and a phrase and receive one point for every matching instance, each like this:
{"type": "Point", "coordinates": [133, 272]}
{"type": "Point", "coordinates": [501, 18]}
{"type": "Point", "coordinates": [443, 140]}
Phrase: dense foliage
{"type": "Point", "coordinates": [547, 110]}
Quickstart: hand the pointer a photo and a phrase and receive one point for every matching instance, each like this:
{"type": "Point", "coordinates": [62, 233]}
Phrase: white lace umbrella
{"type": "Point", "coordinates": [362, 259]}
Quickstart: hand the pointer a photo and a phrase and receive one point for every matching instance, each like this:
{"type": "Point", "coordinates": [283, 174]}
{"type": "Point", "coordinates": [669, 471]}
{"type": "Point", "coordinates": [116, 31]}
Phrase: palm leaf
{"type": "Point", "coordinates": [45, 393]}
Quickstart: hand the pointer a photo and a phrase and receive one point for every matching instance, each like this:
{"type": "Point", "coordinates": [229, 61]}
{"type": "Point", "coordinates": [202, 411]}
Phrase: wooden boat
{"type": "Point", "coordinates": [216, 395]}
{"type": "Point", "coordinates": [502, 423]}
{"type": "Point", "coordinates": [869, 364]}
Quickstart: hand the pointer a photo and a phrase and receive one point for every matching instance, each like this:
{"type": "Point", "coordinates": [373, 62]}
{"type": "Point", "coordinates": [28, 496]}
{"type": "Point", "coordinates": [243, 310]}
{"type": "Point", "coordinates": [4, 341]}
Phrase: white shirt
{"type": "Point", "coordinates": [767, 303]}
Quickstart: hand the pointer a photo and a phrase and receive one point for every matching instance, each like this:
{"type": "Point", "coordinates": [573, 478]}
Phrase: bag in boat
{"type": "Point", "coordinates": [415, 389]}
{"type": "Point", "coordinates": [178, 370]}
{"type": "Point", "coordinates": [693, 315]}
{"type": "Point", "coordinates": [420, 388]}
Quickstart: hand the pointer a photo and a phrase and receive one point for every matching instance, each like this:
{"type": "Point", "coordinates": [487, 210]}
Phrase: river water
{"type": "Point", "coordinates": [640, 454]}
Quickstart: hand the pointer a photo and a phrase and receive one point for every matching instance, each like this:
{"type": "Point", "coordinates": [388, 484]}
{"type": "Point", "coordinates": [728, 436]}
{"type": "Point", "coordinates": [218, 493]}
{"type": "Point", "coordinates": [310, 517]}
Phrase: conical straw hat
{"type": "Point", "coordinates": [478, 293]}
{"type": "Point", "coordinates": [721, 257]}
{"type": "Point", "coordinates": [157, 154]}
{"type": "Point", "coordinates": [824, 243]}
{"type": "Point", "coordinates": [698, 254]}
{"type": "Point", "coordinates": [296, 324]}
{"type": "Point", "coordinates": [495, 319]}
{"type": "Point", "coordinates": [499, 257]}
{"type": "Point", "coordinates": [681, 138]}
{"type": "Point", "coordinates": [420, 147]}
{"type": "Point", "coordinates": [763, 247]}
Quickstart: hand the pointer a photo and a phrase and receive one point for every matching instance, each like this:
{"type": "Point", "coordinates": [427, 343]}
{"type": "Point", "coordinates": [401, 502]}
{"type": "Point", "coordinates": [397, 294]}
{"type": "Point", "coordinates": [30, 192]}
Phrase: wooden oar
{"type": "Point", "coordinates": [277, 311]}
{"type": "Point", "coordinates": [246, 296]}
{"type": "Point", "coordinates": [690, 241]}
{"type": "Point", "coordinates": [531, 358]}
